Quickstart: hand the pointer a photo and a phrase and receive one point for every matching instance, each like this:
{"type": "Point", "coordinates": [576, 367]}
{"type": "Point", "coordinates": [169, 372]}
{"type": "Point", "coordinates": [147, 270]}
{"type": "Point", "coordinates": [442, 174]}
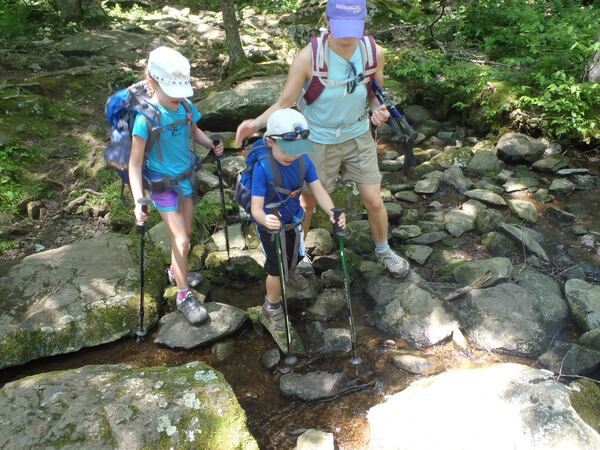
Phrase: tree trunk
{"type": "Point", "coordinates": [593, 70]}
{"type": "Point", "coordinates": [232, 36]}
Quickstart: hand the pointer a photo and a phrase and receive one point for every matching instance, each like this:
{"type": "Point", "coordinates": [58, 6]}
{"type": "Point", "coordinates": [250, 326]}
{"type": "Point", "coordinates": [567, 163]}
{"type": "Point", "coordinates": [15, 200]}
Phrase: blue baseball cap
{"type": "Point", "coordinates": [347, 18]}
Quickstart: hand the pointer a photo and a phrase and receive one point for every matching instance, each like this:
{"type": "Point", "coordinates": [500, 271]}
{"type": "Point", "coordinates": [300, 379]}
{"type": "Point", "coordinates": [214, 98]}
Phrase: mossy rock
{"type": "Point", "coordinates": [587, 402]}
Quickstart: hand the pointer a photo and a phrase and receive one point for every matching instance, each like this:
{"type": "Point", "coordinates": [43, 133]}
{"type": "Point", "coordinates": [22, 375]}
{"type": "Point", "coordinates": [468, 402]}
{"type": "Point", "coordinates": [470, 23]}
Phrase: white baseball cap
{"type": "Point", "coordinates": [290, 129]}
{"type": "Point", "coordinates": [171, 70]}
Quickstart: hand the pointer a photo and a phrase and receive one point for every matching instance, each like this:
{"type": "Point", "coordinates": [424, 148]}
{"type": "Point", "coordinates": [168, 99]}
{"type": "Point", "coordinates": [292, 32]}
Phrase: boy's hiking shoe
{"type": "Point", "coordinates": [193, 278]}
{"type": "Point", "coordinates": [296, 281]}
{"type": "Point", "coordinates": [305, 265]}
{"type": "Point", "coordinates": [394, 263]}
{"type": "Point", "coordinates": [275, 316]}
{"type": "Point", "coordinates": [191, 309]}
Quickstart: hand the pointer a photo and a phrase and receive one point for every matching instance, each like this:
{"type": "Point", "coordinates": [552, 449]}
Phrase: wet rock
{"type": "Point", "coordinates": [458, 222]}
{"type": "Point", "coordinates": [236, 238]}
{"type": "Point", "coordinates": [416, 364]}
{"type": "Point", "coordinates": [408, 308]}
{"type": "Point", "coordinates": [335, 340]}
{"type": "Point", "coordinates": [468, 272]}
{"type": "Point", "coordinates": [560, 215]}
{"type": "Point", "coordinates": [484, 162]}
{"type": "Point", "coordinates": [552, 163]}
{"type": "Point", "coordinates": [245, 264]}
{"type": "Point", "coordinates": [84, 294]}
{"type": "Point", "coordinates": [524, 210]}
{"type": "Point", "coordinates": [570, 359]}
{"type": "Point", "coordinates": [117, 406]}
{"type": "Point", "coordinates": [505, 318]}
{"type": "Point", "coordinates": [315, 440]}
{"type": "Point", "coordinates": [328, 304]}
{"type": "Point", "coordinates": [418, 253]}
{"type": "Point", "coordinates": [486, 197]}
{"type": "Point", "coordinates": [223, 350]}
{"type": "Point", "coordinates": [591, 339]}
{"type": "Point", "coordinates": [568, 172]}
{"type": "Point", "coordinates": [406, 231]}
{"type": "Point", "coordinates": [530, 409]}
{"type": "Point", "coordinates": [332, 278]}
{"type": "Point", "coordinates": [176, 332]}
{"type": "Point", "coordinates": [516, 147]}
{"type": "Point", "coordinates": [318, 242]}
{"type": "Point", "coordinates": [270, 358]}
{"type": "Point", "coordinates": [584, 301]}
{"type": "Point", "coordinates": [525, 236]}
{"type": "Point", "coordinates": [310, 386]}
{"type": "Point", "coordinates": [561, 186]}
{"type": "Point", "coordinates": [427, 186]}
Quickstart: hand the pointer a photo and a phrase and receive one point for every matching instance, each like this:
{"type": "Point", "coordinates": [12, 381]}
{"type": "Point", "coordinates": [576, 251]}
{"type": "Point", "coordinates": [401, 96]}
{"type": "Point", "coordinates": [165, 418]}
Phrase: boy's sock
{"type": "Point", "coordinates": [381, 247]}
{"type": "Point", "coordinates": [181, 293]}
{"type": "Point", "coordinates": [272, 305]}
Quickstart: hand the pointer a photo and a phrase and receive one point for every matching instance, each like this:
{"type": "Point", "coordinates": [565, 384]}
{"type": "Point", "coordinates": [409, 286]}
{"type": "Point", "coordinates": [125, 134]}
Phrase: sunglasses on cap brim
{"type": "Point", "coordinates": [292, 135]}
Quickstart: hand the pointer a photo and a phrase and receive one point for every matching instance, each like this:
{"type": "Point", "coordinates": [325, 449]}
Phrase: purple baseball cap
{"type": "Point", "coordinates": [347, 17]}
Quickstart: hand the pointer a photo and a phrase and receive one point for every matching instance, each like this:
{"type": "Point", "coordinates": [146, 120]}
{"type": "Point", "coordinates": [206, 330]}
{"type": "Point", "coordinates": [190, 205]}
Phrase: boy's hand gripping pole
{"type": "Point", "coordinates": [406, 134]}
{"type": "Point", "coordinates": [290, 359]}
{"type": "Point", "coordinates": [141, 332]}
{"type": "Point", "coordinates": [341, 234]}
{"type": "Point", "coordinates": [216, 138]}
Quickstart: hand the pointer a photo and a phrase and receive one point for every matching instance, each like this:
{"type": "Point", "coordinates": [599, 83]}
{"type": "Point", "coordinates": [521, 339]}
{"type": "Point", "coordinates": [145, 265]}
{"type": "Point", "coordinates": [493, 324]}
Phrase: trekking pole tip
{"type": "Point", "coordinates": [290, 360]}
{"type": "Point", "coordinates": [355, 360]}
{"type": "Point", "coordinates": [140, 335]}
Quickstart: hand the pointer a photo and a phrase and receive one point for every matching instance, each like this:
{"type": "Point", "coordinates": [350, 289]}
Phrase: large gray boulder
{"type": "Point", "coordinates": [120, 407]}
{"type": "Point", "coordinates": [516, 147]}
{"type": "Point", "coordinates": [222, 110]}
{"type": "Point", "coordinates": [506, 318]}
{"type": "Point", "coordinates": [584, 301]}
{"type": "Point", "coordinates": [505, 406]}
{"type": "Point", "coordinates": [408, 308]}
{"type": "Point", "coordinates": [76, 296]}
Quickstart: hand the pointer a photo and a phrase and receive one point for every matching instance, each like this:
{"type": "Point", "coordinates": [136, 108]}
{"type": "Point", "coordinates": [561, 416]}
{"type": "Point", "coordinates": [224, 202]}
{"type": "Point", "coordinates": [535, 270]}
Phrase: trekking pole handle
{"type": "Point", "coordinates": [275, 211]}
{"type": "Point", "coordinates": [337, 212]}
{"type": "Point", "coordinates": [144, 202]}
{"type": "Point", "coordinates": [216, 138]}
{"type": "Point", "coordinates": [383, 100]}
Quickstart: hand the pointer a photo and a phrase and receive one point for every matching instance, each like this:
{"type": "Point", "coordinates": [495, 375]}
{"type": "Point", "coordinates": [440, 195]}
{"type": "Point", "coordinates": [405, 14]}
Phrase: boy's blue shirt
{"type": "Point", "coordinates": [261, 187]}
{"type": "Point", "coordinates": [174, 144]}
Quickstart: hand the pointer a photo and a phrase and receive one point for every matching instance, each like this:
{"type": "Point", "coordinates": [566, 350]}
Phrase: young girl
{"type": "Point", "coordinates": [170, 162]}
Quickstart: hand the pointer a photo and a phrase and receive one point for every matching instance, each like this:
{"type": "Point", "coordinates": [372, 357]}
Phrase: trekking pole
{"type": "Point", "coordinates": [401, 127]}
{"type": "Point", "coordinates": [141, 332]}
{"type": "Point", "coordinates": [341, 234]}
{"type": "Point", "coordinates": [290, 359]}
{"type": "Point", "coordinates": [216, 138]}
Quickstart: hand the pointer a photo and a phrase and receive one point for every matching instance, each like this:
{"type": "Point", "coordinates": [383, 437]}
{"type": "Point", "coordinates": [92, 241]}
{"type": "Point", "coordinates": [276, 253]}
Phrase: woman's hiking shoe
{"type": "Point", "coordinates": [394, 263]}
{"type": "Point", "coordinates": [274, 315]}
{"type": "Point", "coordinates": [191, 309]}
{"type": "Point", "coordinates": [305, 265]}
{"type": "Point", "coordinates": [193, 278]}
{"type": "Point", "coordinates": [297, 282]}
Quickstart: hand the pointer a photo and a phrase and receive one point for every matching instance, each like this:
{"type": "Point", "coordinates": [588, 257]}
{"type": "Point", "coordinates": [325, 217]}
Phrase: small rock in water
{"type": "Point", "coordinates": [270, 358]}
{"type": "Point", "coordinates": [315, 440]}
{"type": "Point", "coordinates": [310, 386]}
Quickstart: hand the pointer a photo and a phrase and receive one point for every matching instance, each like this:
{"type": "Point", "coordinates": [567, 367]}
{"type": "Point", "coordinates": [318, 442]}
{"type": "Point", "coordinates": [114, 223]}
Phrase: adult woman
{"type": "Point", "coordinates": [338, 119]}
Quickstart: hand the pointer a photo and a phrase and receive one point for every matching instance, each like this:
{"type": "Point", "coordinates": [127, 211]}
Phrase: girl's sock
{"type": "Point", "coordinates": [381, 247]}
{"type": "Point", "coordinates": [181, 293]}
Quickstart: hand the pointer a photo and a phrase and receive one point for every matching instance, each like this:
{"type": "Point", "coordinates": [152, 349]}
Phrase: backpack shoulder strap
{"type": "Point", "coordinates": [368, 50]}
{"type": "Point", "coordinates": [302, 166]}
{"type": "Point", "coordinates": [319, 47]}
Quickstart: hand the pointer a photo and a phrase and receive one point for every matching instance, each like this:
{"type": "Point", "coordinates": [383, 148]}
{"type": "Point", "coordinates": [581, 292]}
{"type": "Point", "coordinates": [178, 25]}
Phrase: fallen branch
{"type": "Point", "coordinates": [465, 290]}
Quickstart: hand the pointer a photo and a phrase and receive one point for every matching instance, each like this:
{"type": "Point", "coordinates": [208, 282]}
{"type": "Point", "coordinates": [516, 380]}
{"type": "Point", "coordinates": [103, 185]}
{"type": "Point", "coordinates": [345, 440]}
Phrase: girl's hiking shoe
{"type": "Point", "coordinates": [394, 263]}
{"type": "Point", "coordinates": [193, 278]}
{"type": "Point", "coordinates": [274, 315]}
{"type": "Point", "coordinates": [192, 310]}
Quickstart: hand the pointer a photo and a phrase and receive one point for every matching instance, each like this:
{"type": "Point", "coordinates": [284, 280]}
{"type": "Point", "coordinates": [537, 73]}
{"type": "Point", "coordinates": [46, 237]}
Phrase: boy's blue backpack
{"type": "Point", "coordinates": [121, 109]}
{"type": "Point", "coordinates": [261, 154]}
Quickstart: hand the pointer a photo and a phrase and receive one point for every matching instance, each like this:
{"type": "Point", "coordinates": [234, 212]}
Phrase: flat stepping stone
{"type": "Point", "coordinates": [418, 253]}
{"type": "Point", "coordinates": [176, 332]}
{"type": "Point", "coordinates": [428, 238]}
{"type": "Point", "coordinates": [567, 172]}
{"type": "Point", "coordinates": [407, 196]}
{"type": "Point", "coordinates": [427, 186]}
{"type": "Point", "coordinates": [524, 235]}
{"type": "Point", "coordinates": [406, 231]}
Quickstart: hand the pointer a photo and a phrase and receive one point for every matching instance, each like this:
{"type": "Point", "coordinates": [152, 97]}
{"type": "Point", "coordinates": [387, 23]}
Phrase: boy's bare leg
{"type": "Point", "coordinates": [273, 288]}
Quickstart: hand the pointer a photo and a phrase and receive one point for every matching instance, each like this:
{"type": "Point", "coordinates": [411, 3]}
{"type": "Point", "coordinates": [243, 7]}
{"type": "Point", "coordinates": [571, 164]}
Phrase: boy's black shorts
{"type": "Point", "coordinates": [268, 243]}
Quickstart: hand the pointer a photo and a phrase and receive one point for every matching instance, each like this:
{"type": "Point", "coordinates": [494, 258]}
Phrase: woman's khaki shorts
{"type": "Point", "coordinates": [356, 159]}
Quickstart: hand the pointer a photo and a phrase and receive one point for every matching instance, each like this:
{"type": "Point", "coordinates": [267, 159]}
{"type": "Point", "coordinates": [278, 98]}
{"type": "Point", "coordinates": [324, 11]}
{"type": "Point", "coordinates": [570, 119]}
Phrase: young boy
{"type": "Point", "coordinates": [286, 135]}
